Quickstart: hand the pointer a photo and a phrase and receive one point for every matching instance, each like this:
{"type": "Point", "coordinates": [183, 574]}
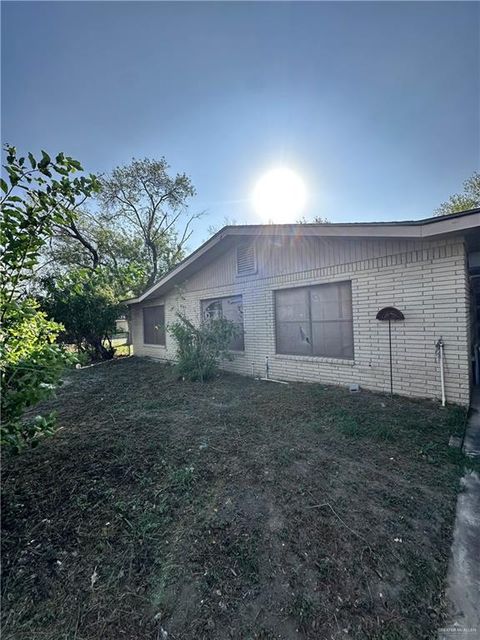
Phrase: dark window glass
{"type": "Point", "coordinates": [231, 309]}
{"type": "Point", "coordinates": [154, 325]}
{"type": "Point", "coordinates": [315, 320]}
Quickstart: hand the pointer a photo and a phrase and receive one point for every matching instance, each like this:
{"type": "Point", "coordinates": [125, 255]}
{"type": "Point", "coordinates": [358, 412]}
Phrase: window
{"type": "Point", "coordinates": [315, 321]}
{"type": "Point", "coordinates": [154, 325]}
{"type": "Point", "coordinates": [246, 262]}
{"type": "Point", "coordinates": [231, 309]}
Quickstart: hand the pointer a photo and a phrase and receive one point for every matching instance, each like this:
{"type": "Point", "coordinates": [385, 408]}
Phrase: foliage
{"type": "Point", "coordinates": [85, 302]}
{"type": "Point", "coordinates": [314, 220]}
{"type": "Point", "coordinates": [469, 199]}
{"type": "Point", "coordinates": [97, 242]}
{"type": "Point", "coordinates": [31, 366]}
{"type": "Point", "coordinates": [145, 202]}
{"type": "Point", "coordinates": [37, 195]}
{"type": "Point", "coordinates": [200, 348]}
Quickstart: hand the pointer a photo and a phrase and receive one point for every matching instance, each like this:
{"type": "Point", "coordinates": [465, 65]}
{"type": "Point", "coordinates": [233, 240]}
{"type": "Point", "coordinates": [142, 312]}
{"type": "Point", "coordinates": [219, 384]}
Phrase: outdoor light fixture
{"type": "Point", "coordinates": [389, 314]}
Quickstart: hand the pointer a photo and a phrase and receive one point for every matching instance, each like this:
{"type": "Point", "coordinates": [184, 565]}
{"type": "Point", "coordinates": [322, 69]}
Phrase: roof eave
{"type": "Point", "coordinates": [426, 228]}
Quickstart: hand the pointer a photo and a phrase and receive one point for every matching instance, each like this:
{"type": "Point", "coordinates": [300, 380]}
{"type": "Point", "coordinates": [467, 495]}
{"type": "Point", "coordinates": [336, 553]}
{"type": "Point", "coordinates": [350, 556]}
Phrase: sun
{"type": "Point", "coordinates": [279, 196]}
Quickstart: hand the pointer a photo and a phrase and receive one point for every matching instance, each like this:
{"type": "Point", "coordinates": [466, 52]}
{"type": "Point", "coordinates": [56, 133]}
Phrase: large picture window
{"type": "Point", "coordinates": [230, 308]}
{"type": "Point", "coordinates": [154, 325]}
{"type": "Point", "coordinates": [315, 321]}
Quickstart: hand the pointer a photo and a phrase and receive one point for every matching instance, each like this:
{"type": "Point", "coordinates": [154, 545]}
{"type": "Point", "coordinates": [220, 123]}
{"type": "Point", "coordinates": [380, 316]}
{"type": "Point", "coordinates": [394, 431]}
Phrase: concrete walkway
{"type": "Point", "coordinates": [463, 581]}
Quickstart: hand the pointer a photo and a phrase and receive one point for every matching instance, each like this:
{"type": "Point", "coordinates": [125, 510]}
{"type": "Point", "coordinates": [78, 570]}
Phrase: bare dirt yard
{"type": "Point", "coordinates": [233, 509]}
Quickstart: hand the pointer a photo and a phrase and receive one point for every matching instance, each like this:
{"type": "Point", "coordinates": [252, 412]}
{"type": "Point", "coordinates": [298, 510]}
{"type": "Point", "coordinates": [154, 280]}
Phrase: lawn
{"type": "Point", "coordinates": [233, 509]}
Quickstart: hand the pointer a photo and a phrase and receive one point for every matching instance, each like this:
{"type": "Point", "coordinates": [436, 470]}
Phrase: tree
{"type": "Point", "coordinates": [314, 220]}
{"type": "Point", "coordinates": [144, 200]}
{"type": "Point", "coordinates": [103, 246]}
{"type": "Point", "coordinates": [85, 303]}
{"type": "Point", "coordinates": [37, 194]}
{"type": "Point", "coordinates": [469, 199]}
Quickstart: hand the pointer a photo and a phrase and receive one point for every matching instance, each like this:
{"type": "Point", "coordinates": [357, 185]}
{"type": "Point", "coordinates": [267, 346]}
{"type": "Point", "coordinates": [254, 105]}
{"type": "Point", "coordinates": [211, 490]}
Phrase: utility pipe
{"type": "Point", "coordinates": [267, 374]}
{"type": "Point", "coordinates": [439, 349]}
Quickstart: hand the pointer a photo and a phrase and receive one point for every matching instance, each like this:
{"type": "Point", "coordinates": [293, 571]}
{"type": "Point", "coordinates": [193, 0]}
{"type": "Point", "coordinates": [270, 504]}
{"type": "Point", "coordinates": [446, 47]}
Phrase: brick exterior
{"type": "Point", "coordinates": [428, 283]}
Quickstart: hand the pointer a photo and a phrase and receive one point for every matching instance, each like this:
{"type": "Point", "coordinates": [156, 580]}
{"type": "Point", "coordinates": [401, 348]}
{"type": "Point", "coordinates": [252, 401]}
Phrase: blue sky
{"type": "Point", "coordinates": [376, 104]}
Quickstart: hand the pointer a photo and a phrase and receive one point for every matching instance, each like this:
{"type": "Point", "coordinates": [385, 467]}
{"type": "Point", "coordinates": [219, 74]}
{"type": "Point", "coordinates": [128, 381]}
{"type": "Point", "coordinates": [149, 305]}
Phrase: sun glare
{"type": "Point", "coordinates": [279, 196]}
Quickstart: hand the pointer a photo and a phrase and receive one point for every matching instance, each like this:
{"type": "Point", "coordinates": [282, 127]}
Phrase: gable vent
{"type": "Point", "coordinates": [246, 262]}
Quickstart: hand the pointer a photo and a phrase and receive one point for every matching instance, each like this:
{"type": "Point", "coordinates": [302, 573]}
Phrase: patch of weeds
{"type": "Point", "coordinates": [160, 595]}
{"type": "Point", "coordinates": [429, 452]}
{"type": "Point", "coordinates": [390, 634]}
{"type": "Point", "coordinates": [303, 610]}
{"type": "Point", "coordinates": [182, 479]}
{"type": "Point", "coordinates": [350, 426]}
{"type": "Point", "coordinates": [325, 568]}
{"type": "Point", "coordinates": [245, 554]}
{"type": "Point", "coordinates": [82, 502]}
{"type": "Point", "coordinates": [424, 580]}
{"type": "Point", "coordinates": [436, 453]}
{"type": "Point", "coordinates": [340, 419]}
{"type": "Point", "coordinates": [284, 457]}
{"type": "Point", "coordinates": [456, 417]}
{"type": "Point", "coordinates": [149, 521]}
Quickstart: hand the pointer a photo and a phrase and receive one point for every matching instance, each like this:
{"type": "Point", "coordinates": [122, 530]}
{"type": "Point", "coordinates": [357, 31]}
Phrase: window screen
{"type": "Point", "coordinates": [154, 325]}
{"type": "Point", "coordinates": [315, 321]}
{"type": "Point", "coordinates": [231, 309]}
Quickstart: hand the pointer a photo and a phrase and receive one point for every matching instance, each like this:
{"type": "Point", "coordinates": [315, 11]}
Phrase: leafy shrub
{"type": "Point", "coordinates": [84, 302]}
{"type": "Point", "coordinates": [31, 365]}
{"type": "Point", "coordinates": [37, 195]}
{"type": "Point", "coordinates": [200, 348]}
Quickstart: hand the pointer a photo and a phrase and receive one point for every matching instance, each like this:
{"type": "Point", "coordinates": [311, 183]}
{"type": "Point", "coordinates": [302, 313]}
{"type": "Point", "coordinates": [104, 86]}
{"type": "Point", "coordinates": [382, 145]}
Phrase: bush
{"type": "Point", "coordinates": [84, 302]}
{"type": "Point", "coordinates": [31, 365]}
{"type": "Point", "coordinates": [37, 196]}
{"type": "Point", "coordinates": [200, 348]}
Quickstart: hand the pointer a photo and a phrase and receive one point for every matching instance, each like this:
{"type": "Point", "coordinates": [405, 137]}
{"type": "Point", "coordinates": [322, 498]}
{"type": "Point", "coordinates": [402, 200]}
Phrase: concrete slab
{"type": "Point", "coordinates": [463, 580]}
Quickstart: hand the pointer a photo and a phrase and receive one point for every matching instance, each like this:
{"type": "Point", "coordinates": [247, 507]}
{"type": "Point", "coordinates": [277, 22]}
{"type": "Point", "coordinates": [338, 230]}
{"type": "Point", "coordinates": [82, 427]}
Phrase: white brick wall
{"type": "Point", "coordinates": [428, 283]}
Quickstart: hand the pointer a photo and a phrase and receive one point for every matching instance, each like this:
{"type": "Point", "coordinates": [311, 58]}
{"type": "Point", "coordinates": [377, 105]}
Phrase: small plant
{"type": "Point", "coordinates": [200, 348]}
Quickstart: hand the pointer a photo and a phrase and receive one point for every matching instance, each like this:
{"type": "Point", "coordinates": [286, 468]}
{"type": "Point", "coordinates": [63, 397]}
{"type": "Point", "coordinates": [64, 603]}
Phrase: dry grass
{"type": "Point", "coordinates": [232, 509]}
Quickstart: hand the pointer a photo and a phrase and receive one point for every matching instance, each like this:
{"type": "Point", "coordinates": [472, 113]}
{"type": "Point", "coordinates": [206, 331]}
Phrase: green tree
{"type": "Point", "coordinates": [37, 195]}
{"type": "Point", "coordinates": [85, 303]}
{"type": "Point", "coordinates": [469, 199]}
{"type": "Point", "coordinates": [145, 202]}
{"type": "Point", "coordinates": [105, 245]}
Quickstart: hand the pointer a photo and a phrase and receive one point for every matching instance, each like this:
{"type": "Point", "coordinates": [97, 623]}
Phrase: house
{"type": "Point", "coordinates": [307, 297]}
{"type": "Point", "coordinates": [121, 325]}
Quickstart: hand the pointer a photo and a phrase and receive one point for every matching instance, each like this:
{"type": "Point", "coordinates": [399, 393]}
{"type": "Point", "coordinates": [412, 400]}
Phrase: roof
{"type": "Point", "coordinates": [426, 228]}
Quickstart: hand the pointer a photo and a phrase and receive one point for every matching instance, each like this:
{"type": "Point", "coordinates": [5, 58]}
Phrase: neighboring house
{"type": "Point", "coordinates": [121, 325]}
{"type": "Point", "coordinates": [307, 297]}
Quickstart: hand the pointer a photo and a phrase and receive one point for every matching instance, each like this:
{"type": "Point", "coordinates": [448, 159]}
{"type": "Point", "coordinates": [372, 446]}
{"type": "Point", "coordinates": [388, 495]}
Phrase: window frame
{"type": "Point", "coordinates": [311, 355]}
{"type": "Point", "coordinates": [234, 295]}
{"type": "Point", "coordinates": [164, 332]}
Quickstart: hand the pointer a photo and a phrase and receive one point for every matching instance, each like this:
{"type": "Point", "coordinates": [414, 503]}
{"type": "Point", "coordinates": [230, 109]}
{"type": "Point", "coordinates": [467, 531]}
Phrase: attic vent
{"type": "Point", "coordinates": [246, 263]}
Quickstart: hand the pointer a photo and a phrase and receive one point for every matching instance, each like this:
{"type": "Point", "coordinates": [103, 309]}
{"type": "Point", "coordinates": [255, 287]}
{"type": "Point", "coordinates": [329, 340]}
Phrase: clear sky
{"type": "Point", "coordinates": [376, 104]}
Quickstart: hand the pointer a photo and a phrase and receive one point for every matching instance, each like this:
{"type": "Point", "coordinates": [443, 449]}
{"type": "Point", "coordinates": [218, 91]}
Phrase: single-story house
{"type": "Point", "coordinates": [306, 297]}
